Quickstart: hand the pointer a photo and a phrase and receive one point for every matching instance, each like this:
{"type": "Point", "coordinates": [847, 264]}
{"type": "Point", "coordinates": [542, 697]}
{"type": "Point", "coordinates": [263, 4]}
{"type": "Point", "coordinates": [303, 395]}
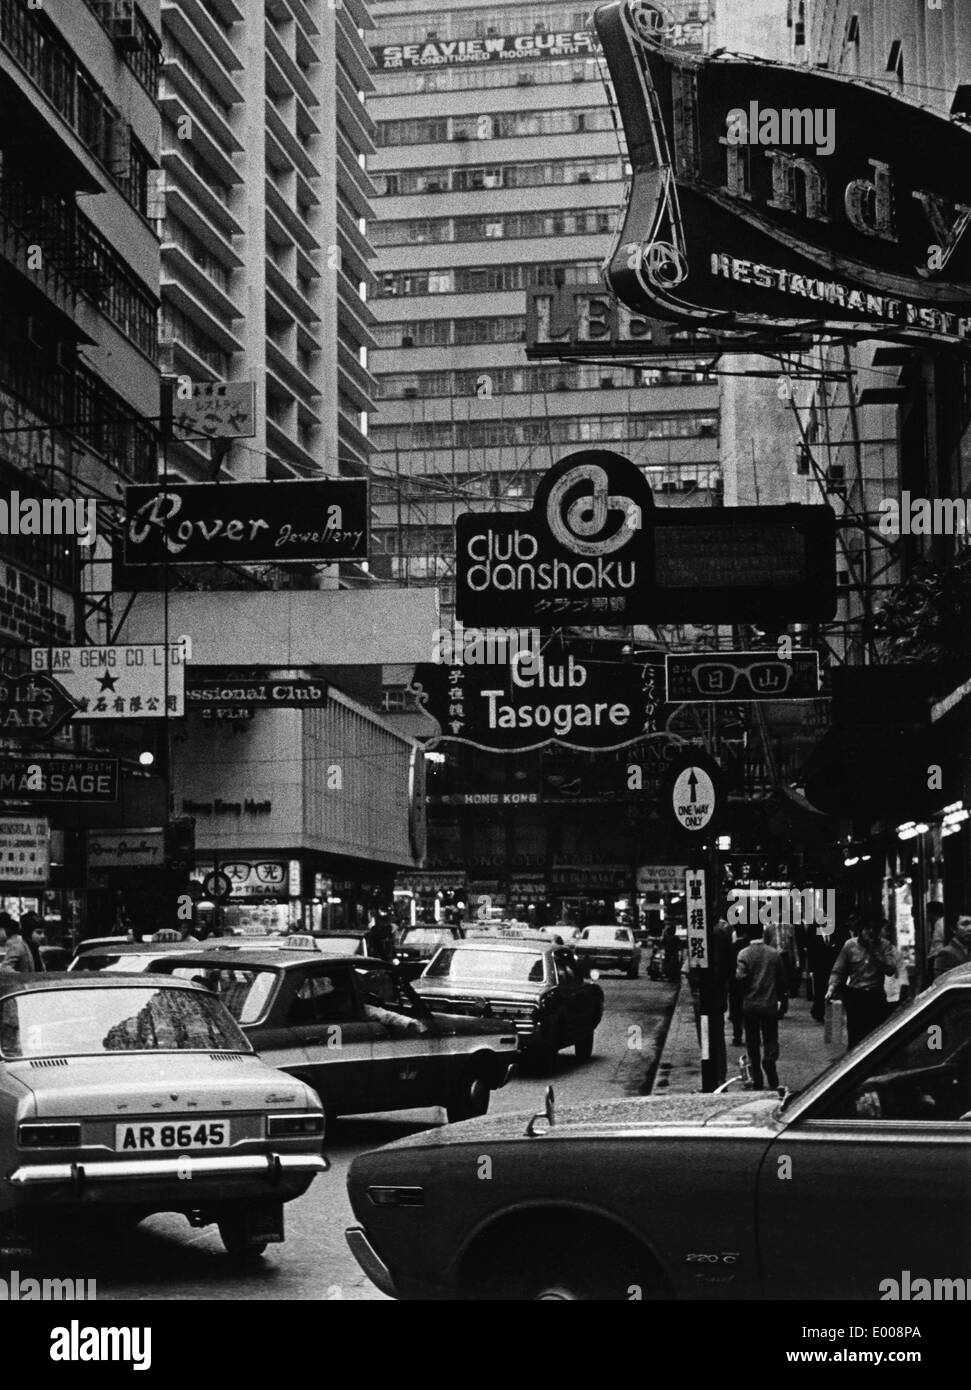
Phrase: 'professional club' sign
{"type": "Point", "coordinates": [246, 523]}
{"type": "Point", "coordinates": [740, 215]}
{"type": "Point", "coordinates": [583, 553]}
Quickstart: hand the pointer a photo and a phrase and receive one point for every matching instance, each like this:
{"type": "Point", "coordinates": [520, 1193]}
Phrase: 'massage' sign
{"type": "Point", "coordinates": [246, 523]}
{"type": "Point", "coordinates": [769, 194]}
{"type": "Point", "coordinates": [536, 700]}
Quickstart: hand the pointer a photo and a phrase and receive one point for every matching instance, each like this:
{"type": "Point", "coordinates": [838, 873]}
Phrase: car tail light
{"type": "Point", "coordinates": [293, 1126]}
{"type": "Point", "coordinates": [45, 1136]}
{"type": "Point", "coordinates": [397, 1196]}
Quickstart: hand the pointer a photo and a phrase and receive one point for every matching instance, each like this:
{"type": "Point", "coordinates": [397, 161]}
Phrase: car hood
{"type": "Point", "coordinates": [604, 1119]}
{"type": "Point", "coordinates": [167, 1084]}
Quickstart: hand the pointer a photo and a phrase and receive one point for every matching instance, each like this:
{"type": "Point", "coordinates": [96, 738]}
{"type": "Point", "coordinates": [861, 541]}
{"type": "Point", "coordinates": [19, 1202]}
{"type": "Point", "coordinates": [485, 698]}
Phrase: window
{"type": "Point", "coordinates": [326, 996]}
{"type": "Point", "coordinates": [925, 1076]}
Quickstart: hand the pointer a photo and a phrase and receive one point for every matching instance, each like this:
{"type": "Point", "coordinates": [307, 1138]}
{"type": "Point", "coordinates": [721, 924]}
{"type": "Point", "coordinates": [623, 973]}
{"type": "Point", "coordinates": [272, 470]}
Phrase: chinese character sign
{"type": "Point", "coordinates": [696, 904]}
{"type": "Point", "coordinates": [123, 682]}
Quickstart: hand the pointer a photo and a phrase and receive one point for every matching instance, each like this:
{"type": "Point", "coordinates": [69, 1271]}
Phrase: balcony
{"type": "Point", "coordinates": [189, 22]}
{"type": "Point", "coordinates": [294, 77]}
{"type": "Point", "coordinates": [351, 437]}
{"type": "Point", "coordinates": [289, 298]}
{"type": "Point", "coordinates": [352, 50]}
{"type": "Point", "coordinates": [354, 314]}
{"type": "Point", "coordinates": [289, 219]}
{"type": "Point", "coordinates": [177, 294]}
{"type": "Point", "coordinates": [50, 281]}
{"type": "Point", "coordinates": [289, 450]}
{"type": "Point", "coordinates": [293, 378]}
{"type": "Point", "coordinates": [355, 380]}
{"type": "Point", "coordinates": [178, 264]}
{"type": "Point", "coordinates": [184, 181]}
{"type": "Point", "coordinates": [216, 240]}
{"type": "Point", "coordinates": [180, 90]}
{"type": "Point", "coordinates": [353, 113]}
{"type": "Point", "coordinates": [290, 150]}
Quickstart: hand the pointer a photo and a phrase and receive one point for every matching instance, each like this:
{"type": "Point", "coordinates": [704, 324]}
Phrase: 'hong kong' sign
{"type": "Point", "coordinates": [535, 701]}
{"type": "Point", "coordinates": [581, 554]}
{"type": "Point", "coordinates": [246, 523]}
{"type": "Point", "coordinates": [764, 193]}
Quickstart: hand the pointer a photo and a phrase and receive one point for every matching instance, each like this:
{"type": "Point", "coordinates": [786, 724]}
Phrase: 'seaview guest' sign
{"type": "Point", "coordinates": [246, 523]}
{"type": "Point", "coordinates": [860, 223]}
{"type": "Point", "coordinates": [493, 48]}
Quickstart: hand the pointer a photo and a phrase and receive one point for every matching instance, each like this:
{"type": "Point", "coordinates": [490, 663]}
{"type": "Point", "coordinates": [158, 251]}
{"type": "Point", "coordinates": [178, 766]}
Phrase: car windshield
{"type": "Point", "coordinates": [243, 989]}
{"type": "Point", "coordinates": [605, 936]}
{"type": "Point", "coordinates": [130, 962]}
{"type": "Point", "coordinates": [341, 945]}
{"type": "Point", "coordinates": [144, 1018]}
{"type": "Point", "coordinates": [426, 936]}
{"type": "Point", "coordinates": [519, 967]}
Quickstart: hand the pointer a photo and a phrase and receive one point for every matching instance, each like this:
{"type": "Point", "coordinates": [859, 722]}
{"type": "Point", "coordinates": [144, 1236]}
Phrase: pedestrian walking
{"type": "Point", "coordinates": [822, 950]}
{"type": "Point", "coordinates": [958, 949]}
{"type": "Point", "coordinates": [672, 953]}
{"type": "Point", "coordinates": [762, 976]}
{"type": "Point", "coordinates": [857, 979]}
{"type": "Point", "coordinates": [16, 954]}
{"type": "Point", "coordinates": [29, 924]}
{"type": "Point", "coordinates": [736, 990]}
{"type": "Point", "coordinates": [938, 935]}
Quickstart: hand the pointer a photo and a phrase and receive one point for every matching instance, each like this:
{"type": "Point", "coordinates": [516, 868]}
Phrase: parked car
{"type": "Point", "coordinates": [354, 1030]}
{"type": "Point", "coordinates": [539, 987]}
{"type": "Point", "coordinates": [116, 1101]}
{"type": "Point", "coordinates": [609, 948]}
{"type": "Point", "coordinates": [415, 946]}
{"type": "Point", "coordinates": [832, 1193]}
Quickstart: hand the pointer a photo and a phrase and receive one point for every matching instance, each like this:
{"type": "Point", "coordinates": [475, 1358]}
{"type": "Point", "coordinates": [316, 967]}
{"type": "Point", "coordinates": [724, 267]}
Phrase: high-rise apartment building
{"type": "Point", "coordinates": [264, 251]}
{"type": "Point", "coordinates": [500, 165]}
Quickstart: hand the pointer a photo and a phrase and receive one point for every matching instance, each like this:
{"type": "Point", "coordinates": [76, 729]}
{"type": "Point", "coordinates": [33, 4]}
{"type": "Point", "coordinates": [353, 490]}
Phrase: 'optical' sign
{"type": "Point", "coordinates": [768, 194]}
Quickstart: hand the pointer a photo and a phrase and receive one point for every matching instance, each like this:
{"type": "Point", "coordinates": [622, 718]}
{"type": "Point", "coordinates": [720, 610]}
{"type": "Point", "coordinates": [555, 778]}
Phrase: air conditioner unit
{"type": "Point", "coordinates": [583, 178]}
{"type": "Point", "coordinates": [461, 135]}
{"type": "Point", "coordinates": [525, 79]}
{"type": "Point", "coordinates": [434, 188]}
{"type": "Point", "coordinates": [410, 392]}
{"type": "Point", "coordinates": [121, 20]}
{"type": "Point", "coordinates": [407, 340]}
{"type": "Point", "coordinates": [606, 382]}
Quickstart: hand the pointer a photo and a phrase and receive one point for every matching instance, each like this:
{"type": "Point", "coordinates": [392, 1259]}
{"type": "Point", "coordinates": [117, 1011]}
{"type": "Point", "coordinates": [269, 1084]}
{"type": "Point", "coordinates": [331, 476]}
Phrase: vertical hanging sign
{"type": "Point", "coordinates": [696, 906]}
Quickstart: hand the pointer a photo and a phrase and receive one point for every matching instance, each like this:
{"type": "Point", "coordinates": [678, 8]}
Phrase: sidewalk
{"type": "Point", "coordinates": [802, 1052]}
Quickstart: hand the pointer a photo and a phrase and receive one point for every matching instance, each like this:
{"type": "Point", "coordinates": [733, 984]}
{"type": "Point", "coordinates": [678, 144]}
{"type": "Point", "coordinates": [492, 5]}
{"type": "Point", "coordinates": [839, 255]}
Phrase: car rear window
{"type": "Point", "coordinates": [606, 936]}
{"type": "Point", "coordinates": [426, 937]}
{"type": "Point", "coordinates": [85, 1022]}
{"type": "Point", "coordinates": [519, 967]}
{"type": "Point", "coordinates": [243, 989]}
{"type": "Point", "coordinates": [341, 946]}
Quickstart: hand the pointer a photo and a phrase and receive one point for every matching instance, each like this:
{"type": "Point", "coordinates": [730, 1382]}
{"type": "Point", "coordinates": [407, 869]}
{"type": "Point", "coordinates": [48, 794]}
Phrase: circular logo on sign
{"type": "Point", "coordinates": [650, 20]}
{"type": "Point", "coordinates": [664, 265]}
{"type": "Point", "coordinates": [693, 798]}
{"type": "Point", "coordinates": [217, 886]}
{"type": "Point", "coordinates": [585, 516]}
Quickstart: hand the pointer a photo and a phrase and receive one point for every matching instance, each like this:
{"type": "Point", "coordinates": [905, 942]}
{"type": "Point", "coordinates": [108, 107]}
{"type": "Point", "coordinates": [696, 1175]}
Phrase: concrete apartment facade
{"type": "Point", "coordinates": [491, 176]}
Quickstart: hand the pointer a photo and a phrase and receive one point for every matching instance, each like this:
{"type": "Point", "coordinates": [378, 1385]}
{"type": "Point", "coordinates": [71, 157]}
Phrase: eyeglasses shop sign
{"type": "Point", "coordinates": [246, 523]}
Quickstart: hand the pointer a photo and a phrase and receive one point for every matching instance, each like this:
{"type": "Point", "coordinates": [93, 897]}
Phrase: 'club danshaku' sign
{"type": "Point", "coordinates": [581, 553]}
{"type": "Point", "coordinates": [595, 550]}
{"type": "Point", "coordinates": [866, 231]}
{"type": "Point", "coordinates": [535, 700]}
{"type": "Point", "coordinates": [246, 523]}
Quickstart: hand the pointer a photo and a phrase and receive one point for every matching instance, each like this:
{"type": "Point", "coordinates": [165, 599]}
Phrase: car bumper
{"type": "Point", "coordinates": [290, 1174]}
{"type": "Point", "coordinates": [370, 1261]}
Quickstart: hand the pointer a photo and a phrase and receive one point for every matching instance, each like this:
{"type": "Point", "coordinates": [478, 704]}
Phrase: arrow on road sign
{"type": "Point", "coordinates": [693, 785]}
